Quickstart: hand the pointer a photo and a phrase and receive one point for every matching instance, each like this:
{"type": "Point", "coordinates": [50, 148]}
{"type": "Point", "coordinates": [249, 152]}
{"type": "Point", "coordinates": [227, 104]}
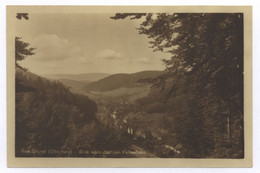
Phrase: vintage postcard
{"type": "Point", "coordinates": [129, 86]}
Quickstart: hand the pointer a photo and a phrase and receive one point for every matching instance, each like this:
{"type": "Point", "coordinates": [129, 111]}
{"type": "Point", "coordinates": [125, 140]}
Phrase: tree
{"type": "Point", "coordinates": [207, 54]}
{"type": "Point", "coordinates": [22, 50]}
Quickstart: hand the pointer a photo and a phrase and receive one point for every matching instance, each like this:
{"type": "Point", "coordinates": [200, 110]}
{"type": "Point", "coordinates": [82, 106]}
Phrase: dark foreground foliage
{"type": "Point", "coordinates": [202, 91]}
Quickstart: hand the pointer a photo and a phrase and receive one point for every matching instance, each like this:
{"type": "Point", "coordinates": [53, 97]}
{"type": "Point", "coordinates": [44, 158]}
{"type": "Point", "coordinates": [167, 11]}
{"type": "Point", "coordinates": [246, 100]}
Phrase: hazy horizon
{"type": "Point", "coordinates": [95, 73]}
{"type": "Point", "coordinates": [86, 43]}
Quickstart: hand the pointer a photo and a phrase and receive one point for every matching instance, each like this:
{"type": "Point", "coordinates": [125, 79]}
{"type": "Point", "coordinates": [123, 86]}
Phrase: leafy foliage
{"type": "Point", "coordinates": [207, 68]}
{"type": "Point", "coordinates": [22, 50]}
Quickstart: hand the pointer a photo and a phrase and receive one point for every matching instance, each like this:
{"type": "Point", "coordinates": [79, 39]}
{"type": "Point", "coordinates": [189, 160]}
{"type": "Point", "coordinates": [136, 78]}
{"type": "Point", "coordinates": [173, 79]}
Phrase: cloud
{"type": "Point", "coordinates": [50, 47]}
{"type": "Point", "coordinates": [143, 61]}
{"type": "Point", "coordinates": [109, 54]}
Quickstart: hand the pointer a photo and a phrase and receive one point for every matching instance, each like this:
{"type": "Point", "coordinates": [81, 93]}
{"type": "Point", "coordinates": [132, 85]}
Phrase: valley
{"type": "Point", "coordinates": [117, 98]}
{"type": "Point", "coordinates": [177, 92]}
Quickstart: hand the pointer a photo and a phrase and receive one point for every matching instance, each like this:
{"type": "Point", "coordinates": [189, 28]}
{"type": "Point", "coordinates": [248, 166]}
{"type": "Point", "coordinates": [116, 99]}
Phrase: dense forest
{"type": "Point", "coordinates": [202, 89]}
{"type": "Point", "coordinates": [50, 118]}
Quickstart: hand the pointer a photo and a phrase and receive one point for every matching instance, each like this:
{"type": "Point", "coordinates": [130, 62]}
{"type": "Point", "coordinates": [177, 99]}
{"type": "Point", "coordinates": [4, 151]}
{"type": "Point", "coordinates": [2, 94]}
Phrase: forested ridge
{"type": "Point", "coordinates": [50, 118]}
{"type": "Point", "coordinates": [116, 81]}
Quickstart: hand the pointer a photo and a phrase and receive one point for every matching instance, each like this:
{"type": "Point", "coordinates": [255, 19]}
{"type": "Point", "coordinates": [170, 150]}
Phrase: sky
{"type": "Point", "coordinates": [86, 43]}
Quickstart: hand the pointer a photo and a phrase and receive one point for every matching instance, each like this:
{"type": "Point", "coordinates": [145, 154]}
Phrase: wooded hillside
{"type": "Point", "coordinates": [49, 117]}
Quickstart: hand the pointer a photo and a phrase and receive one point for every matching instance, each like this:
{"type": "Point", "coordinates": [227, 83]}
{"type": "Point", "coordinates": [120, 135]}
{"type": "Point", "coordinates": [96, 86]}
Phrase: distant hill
{"type": "Point", "coordinates": [85, 77]}
{"type": "Point", "coordinates": [73, 83]}
{"type": "Point", "coordinates": [121, 80]}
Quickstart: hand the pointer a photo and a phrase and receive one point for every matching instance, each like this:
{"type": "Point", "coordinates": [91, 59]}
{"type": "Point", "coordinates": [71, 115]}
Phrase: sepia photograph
{"type": "Point", "coordinates": [128, 83]}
